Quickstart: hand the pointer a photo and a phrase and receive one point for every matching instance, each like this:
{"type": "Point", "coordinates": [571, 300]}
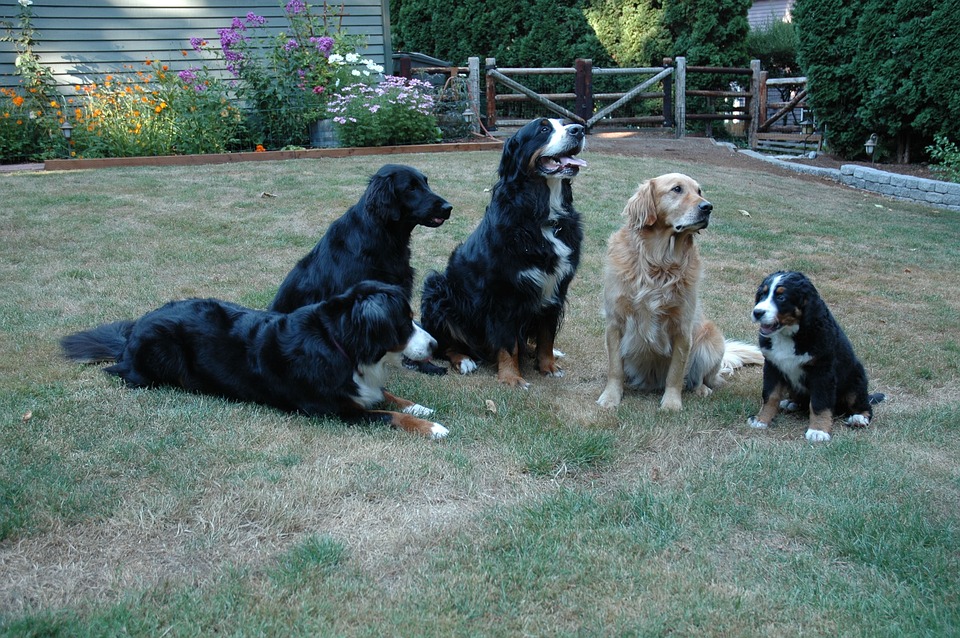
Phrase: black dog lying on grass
{"type": "Point", "coordinates": [323, 359]}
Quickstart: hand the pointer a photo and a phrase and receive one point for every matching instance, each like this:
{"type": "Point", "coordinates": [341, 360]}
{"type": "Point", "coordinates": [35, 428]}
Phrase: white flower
{"type": "Point", "coordinates": [335, 58]}
{"type": "Point", "coordinates": [355, 73]}
{"type": "Point", "coordinates": [352, 58]}
{"type": "Point", "coordinates": [25, 3]}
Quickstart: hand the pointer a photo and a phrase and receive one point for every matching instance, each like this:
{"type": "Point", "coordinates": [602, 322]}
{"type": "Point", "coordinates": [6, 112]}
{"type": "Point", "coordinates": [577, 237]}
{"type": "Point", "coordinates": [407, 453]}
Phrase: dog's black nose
{"type": "Point", "coordinates": [706, 208]}
{"type": "Point", "coordinates": [757, 314]}
{"type": "Point", "coordinates": [575, 130]}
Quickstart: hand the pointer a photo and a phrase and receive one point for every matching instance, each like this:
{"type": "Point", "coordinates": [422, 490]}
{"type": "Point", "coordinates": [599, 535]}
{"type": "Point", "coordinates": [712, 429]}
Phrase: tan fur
{"type": "Point", "coordinates": [656, 335]}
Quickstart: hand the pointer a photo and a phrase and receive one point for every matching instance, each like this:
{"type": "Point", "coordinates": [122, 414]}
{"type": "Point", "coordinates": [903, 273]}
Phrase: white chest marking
{"type": "Point", "coordinates": [783, 354]}
{"type": "Point", "coordinates": [548, 281]}
{"type": "Point", "coordinates": [371, 379]}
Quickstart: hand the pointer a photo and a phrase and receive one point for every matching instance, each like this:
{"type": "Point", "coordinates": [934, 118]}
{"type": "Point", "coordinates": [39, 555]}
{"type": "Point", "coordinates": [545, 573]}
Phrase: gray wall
{"type": "Point", "coordinates": [83, 40]}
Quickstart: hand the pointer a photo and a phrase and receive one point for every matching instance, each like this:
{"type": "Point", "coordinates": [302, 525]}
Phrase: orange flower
{"type": "Point", "coordinates": [165, 67]}
{"type": "Point", "coordinates": [183, 53]}
{"type": "Point", "coordinates": [18, 101]}
{"type": "Point", "coordinates": [259, 149]}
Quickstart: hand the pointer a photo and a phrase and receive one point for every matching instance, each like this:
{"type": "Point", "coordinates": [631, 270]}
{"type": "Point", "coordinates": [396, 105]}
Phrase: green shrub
{"type": "Point", "coordinates": [396, 111]}
{"type": "Point", "coordinates": [945, 155]}
{"type": "Point", "coordinates": [775, 45]}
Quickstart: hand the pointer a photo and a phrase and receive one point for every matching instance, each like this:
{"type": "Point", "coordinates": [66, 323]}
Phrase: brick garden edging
{"type": "Point", "coordinates": [904, 187]}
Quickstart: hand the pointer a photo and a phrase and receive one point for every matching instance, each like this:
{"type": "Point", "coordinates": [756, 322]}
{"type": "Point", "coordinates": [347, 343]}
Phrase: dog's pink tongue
{"type": "Point", "coordinates": [576, 161]}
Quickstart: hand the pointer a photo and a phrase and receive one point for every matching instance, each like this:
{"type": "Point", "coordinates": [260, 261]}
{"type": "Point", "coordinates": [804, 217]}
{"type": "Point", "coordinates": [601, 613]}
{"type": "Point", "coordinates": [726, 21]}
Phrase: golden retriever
{"type": "Point", "coordinates": [656, 335]}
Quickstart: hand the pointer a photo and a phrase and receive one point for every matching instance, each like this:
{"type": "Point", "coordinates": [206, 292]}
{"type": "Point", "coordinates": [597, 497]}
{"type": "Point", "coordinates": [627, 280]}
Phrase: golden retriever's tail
{"type": "Point", "coordinates": [737, 354]}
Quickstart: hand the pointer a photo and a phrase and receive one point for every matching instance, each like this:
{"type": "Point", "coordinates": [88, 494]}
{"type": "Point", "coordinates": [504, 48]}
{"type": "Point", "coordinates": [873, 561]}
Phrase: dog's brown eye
{"type": "Point", "coordinates": [678, 189]}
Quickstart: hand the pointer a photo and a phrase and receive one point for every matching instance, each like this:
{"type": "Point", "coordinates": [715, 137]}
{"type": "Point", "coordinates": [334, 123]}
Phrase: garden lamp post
{"type": "Point", "coordinates": [870, 146]}
{"type": "Point", "coordinates": [67, 129]}
{"type": "Point", "coordinates": [806, 127]}
{"type": "Point", "coordinates": [468, 118]}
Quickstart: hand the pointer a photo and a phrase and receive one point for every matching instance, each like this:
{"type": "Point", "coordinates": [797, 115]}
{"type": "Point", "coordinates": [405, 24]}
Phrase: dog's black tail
{"type": "Point", "coordinates": [101, 344]}
{"type": "Point", "coordinates": [876, 398]}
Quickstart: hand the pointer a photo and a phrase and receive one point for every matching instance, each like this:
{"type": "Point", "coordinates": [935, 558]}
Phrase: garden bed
{"type": "Point", "coordinates": [265, 156]}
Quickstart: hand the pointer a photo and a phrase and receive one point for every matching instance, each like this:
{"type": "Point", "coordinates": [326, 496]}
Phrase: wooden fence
{"type": "Point", "coordinates": [745, 106]}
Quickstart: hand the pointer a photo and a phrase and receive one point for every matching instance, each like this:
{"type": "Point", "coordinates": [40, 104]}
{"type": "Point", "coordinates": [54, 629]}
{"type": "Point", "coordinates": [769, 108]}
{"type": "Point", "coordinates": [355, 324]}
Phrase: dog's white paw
{"type": "Point", "coordinates": [557, 354]}
{"type": "Point", "coordinates": [609, 399]}
{"type": "Point", "coordinates": [671, 404]}
{"type": "Point", "coordinates": [418, 410]}
{"type": "Point", "coordinates": [556, 374]}
{"type": "Point", "coordinates": [858, 421]}
{"type": "Point", "coordinates": [789, 406]}
{"type": "Point", "coordinates": [703, 390]}
{"type": "Point", "coordinates": [438, 432]}
{"type": "Point", "coordinates": [816, 436]}
{"type": "Point", "coordinates": [754, 422]}
{"type": "Point", "coordinates": [466, 366]}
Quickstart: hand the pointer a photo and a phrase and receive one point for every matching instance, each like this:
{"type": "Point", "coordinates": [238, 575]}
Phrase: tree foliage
{"type": "Point", "coordinates": [538, 33]}
{"type": "Point", "coordinates": [893, 65]}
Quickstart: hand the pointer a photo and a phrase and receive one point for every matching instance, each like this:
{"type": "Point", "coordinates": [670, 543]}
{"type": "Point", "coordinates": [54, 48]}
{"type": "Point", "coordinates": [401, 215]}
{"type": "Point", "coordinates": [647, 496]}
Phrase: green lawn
{"type": "Point", "coordinates": [156, 512]}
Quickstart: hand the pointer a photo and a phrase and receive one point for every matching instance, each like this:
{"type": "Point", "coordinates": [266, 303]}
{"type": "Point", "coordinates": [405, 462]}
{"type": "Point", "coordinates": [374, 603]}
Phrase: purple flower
{"type": "Point", "coordinates": [238, 24]}
{"type": "Point", "coordinates": [196, 43]}
{"type": "Point", "coordinates": [290, 45]}
{"type": "Point", "coordinates": [188, 75]}
{"type": "Point", "coordinates": [254, 19]}
{"type": "Point", "coordinates": [296, 7]}
{"type": "Point", "coordinates": [324, 45]}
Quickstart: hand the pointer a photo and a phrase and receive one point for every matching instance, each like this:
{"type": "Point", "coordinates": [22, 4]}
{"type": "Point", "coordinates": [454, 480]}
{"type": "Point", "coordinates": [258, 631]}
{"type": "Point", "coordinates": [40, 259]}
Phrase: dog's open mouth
{"type": "Point", "coordinates": [433, 222]}
{"type": "Point", "coordinates": [768, 328]}
{"type": "Point", "coordinates": [567, 164]}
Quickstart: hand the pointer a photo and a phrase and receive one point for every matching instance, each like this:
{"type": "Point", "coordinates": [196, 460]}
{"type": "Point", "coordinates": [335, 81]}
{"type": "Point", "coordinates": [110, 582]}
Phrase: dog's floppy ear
{"type": "Point", "coordinates": [381, 196]}
{"type": "Point", "coordinates": [510, 160]}
{"type": "Point", "coordinates": [641, 209]}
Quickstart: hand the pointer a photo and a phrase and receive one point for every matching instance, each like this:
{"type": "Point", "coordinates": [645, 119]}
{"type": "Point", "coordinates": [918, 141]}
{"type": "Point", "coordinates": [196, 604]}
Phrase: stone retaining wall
{"type": "Point", "coordinates": [904, 187]}
{"type": "Point", "coordinates": [914, 189]}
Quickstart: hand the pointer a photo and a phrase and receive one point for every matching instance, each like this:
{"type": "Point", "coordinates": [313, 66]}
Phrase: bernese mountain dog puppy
{"type": "Point", "coordinates": [507, 283]}
{"type": "Point", "coordinates": [809, 361]}
{"type": "Point", "coordinates": [322, 359]}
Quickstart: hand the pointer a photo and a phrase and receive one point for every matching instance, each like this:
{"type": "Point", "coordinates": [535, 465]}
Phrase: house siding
{"type": "Point", "coordinates": [80, 44]}
{"type": "Point", "coordinates": [764, 12]}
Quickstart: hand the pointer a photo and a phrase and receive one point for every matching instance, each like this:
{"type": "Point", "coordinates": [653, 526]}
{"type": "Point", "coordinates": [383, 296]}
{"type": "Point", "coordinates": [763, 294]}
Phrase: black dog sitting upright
{"type": "Point", "coordinates": [809, 361]}
{"type": "Point", "coordinates": [371, 241]}
{"type": "Point", "coordinates": [322, 359]}
{"type": "Point", "coordinates": [507, 283]}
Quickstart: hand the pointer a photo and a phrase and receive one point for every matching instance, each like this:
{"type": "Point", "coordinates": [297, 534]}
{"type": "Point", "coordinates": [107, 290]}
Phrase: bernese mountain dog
{"type": "Point", "coordinates": [507, 283]}
{"type": "Point", "coordinates": [322, 359]}
{"type": "Point", "coordinates": [371, 241]}
{"type": "Point", "coordinates": [808, 360]}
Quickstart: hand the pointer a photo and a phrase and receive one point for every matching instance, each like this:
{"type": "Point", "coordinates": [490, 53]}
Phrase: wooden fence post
{"type": "Point", "coordinates": [668, 120]}
{"type": "Point", "coordinates": [491, 96]}
{"type": "Point", "coordinates": [405, 66]}
{"type": "Point", "coordinates": [758, 102]}
{"type": "Point", "coordinates": [474, 92]}
{"type": "Point", "coordinates": [680, 99]}
{"type": "Point", "coordinates": [583, 88]}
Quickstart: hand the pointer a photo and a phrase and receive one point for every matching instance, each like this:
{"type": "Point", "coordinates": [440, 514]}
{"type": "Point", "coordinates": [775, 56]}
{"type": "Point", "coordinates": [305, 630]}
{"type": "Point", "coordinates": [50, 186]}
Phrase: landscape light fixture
{"type": "Point", "coordinates": [67, 130]}
{"type": "Point", "coordinates": [870, 145]}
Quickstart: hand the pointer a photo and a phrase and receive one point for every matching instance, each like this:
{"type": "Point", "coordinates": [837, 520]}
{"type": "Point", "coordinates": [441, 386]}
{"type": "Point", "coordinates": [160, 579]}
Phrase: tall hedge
{"type": "Point", "coordinates": [632, 31]}
{"type": "Point", "coordinates": [890, 67]}
{"type": "Point", "coordinates": [538, 33]}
